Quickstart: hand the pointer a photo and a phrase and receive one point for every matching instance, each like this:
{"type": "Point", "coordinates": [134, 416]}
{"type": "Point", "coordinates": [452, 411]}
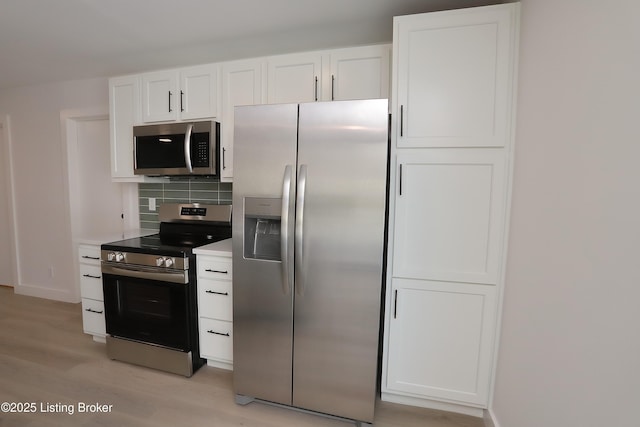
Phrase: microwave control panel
{"type": "Point", "coordinates": [200, 150]}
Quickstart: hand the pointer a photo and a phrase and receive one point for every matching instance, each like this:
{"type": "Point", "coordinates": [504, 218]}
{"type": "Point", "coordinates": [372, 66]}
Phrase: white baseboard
{"type": "Point", "coordinates": [433, 404]}
{"type": "Point", "coordinates": [490, 419]}
{"type": "Point", "coordinates": [47, 293]}
{"type": "Point", "coordinates": [218, 364]}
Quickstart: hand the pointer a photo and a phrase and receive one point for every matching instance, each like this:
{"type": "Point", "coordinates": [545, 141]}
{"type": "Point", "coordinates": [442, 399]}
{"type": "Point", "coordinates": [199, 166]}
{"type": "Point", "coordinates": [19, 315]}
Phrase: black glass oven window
{"type": "Point", "coordinates": [148, 301]}
{"type": "Point", "coordinates": [147, 310]}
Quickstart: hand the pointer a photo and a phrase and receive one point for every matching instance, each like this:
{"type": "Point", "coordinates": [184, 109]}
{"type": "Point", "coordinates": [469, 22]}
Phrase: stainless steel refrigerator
{"type": "Point", "coordinates": [309, 196]}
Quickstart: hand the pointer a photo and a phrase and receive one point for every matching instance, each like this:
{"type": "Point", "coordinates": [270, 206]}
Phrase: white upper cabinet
{"type": "Point", "coordinates": [214, 90]}
{"type": "Point", "coordinates": [333, 75]}
{"type": "Point", "coordinates": [360, 73]}
{"type": "Point", "coordinates": [242, 84]}
{"type": "Point", "coordinates": [184, 94]}
{"type": "Point", "coordinates": [124, 112]}
{"type": "Point", "coordinates": [199, 92]}
{"type": "Point", "coordinates": [159, 94]}
{"type": "Point", "coordinates": [455, 78]}
{"type": "Point", "coordinates": [294, 78]}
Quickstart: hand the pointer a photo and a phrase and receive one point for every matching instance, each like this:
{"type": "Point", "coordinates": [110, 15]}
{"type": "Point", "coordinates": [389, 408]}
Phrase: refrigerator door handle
{"type": "Point", "coordinates": [299, 264]}
{"type": "Point", "coordinates": [285, 253]}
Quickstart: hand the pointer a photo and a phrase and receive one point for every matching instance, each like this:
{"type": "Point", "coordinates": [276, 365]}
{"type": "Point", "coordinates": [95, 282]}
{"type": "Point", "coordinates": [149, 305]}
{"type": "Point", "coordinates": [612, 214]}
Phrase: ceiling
{"type": "Point", "coordinates": [44, 41]}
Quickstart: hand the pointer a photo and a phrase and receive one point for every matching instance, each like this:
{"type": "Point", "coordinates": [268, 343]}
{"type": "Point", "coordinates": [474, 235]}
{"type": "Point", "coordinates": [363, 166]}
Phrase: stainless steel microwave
{"type": "Point", "coordinates": [189, 148]}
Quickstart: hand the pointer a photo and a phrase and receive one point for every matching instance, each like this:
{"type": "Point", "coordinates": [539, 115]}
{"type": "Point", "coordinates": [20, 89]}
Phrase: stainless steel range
{"type": "Point", "coordinates": [149, 286]}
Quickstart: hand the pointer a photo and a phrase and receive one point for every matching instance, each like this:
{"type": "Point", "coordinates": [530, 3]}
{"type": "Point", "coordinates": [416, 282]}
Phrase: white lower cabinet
{"type": "Point", "coordinates": [93, 318]}
{"type": "Point", "coordinates": [441, 341]}
{"type": "Point", "coordinates": [93, 322]}
{"type": "Point", "coordinates": [215, 310]}
{"type": "Point", "coordinates": [216, 342]}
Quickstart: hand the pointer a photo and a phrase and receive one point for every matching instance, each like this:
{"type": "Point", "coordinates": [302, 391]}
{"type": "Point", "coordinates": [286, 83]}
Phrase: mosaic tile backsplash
{"type": "Point", "coordinates": [180, 190]}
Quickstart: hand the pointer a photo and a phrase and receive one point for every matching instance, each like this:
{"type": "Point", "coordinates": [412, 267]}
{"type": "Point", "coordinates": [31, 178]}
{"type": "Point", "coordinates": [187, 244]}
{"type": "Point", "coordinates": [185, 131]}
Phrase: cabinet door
{"type": "Point", "coordinates": [294, 78]}
{"type": "Point", "coordinates": [124, 112]}
{"type": "Point", "coordinates": [441, 340]}
{"type": "Point", "coordinates": [449, 214]}
{"type": "Point", "coordinates": [454, 72]}
{"type": "Point", "coordinates": [215, 299]}
{"type": "Point", "coordinates": [360, 73]}
{"type": "Point", "coordinates": [216, 340]}
{"type": "Point", "coordinates": [242, 83]}
{"type": "Point", "coordinates": [160, 96]}
{"type": "Point", "coordinates": [93, 322]}
{"type": "Point", "coordinates": [91, 282]}
{"type": "Point", "coordinates": [215, 268]}
{"type": "Point", "coordinates": [89, 254]}
{"type": "Point", "coordinates": [199, 92]}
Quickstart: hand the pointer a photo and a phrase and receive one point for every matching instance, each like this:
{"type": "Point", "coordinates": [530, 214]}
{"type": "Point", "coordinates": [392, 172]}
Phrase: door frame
{"type": "Point", "coordinates": [5, 128]}
{"type": "Point", "coordinates": [69, 120]}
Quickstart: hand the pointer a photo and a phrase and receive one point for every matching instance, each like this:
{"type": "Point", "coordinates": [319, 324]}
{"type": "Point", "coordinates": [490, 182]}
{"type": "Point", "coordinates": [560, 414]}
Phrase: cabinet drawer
{"type": "Point", "coordinates": [216, 339]}
{"type": "Point", "coordinates": [91, 282]}
{"type": "Point", "coordinates": [93, 317]}
{"type": "Point", "coordinates": [89, 254]}
{"type": "Point", "coordinates": [215, 299]}
{"type": "Point", "coordinates": [214, 268]}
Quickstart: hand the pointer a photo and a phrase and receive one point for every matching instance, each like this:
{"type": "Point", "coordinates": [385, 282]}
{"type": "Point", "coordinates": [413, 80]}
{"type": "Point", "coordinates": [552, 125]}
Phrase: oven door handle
{"type": "Point", "coordinates": [180, 276]}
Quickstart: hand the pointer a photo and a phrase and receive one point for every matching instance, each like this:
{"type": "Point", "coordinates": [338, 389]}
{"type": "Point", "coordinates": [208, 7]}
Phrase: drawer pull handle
{"type": "Point", "coordinates": [91, 276]}
{"type": "Point", "coordinates": [217, 293]}
{"type": "Point", "coordinates": [90, 310]}
{"type": "Point", "coordinates": [219, 333]}
{"type": "Point", "coordinates": [208, 270]}
{"type": "Point", "coordinates": [91, 257]}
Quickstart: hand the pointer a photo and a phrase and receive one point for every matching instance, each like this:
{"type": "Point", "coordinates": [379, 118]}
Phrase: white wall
{"type": "Point", "coordinates": [570, 345]}
{"type": "Point", "coordinates": [45, 265]}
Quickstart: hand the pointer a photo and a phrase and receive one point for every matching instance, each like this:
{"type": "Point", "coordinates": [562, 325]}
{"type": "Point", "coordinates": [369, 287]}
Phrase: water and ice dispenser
{"type": "Point", "coordinates": [262, 217]}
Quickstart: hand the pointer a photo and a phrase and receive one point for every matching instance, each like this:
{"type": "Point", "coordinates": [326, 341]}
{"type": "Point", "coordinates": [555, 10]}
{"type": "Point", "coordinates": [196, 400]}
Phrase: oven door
{"type": "Point", "coordinates": [141, 306]}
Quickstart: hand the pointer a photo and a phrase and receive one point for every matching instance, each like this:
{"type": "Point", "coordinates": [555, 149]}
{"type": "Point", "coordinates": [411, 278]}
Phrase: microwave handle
{"type": "Point", "coordinates": [187, 147]}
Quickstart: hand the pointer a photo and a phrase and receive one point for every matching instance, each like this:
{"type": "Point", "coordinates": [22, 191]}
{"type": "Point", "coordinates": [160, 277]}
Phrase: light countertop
{"type": "Point", "coordinates": [100, 238]}
{"type": "Point", "coordinates": [221, 248]}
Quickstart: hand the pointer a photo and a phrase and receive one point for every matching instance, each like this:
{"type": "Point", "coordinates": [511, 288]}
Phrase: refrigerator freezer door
{"type": "Point", "coordinates": [342, 159]}
{"type": "Point", "coordinates": [264, 156]}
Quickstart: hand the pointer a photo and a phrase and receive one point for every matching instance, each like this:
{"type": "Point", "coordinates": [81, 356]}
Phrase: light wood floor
{"type": "Point", "coordinates": [46, 359]}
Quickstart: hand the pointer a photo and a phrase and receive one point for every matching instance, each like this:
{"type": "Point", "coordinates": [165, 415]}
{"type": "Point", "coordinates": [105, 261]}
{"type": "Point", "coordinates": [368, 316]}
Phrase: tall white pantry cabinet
{"type": "Point", "coordinates": [452, 130]}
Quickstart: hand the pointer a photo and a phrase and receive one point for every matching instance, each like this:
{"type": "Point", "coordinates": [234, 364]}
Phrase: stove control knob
{"type": "Point", "coordinates": [159, 261]}
{"type": "Point", "coordinates": [111, 256]}
{"type": "Point", "coordinates": [119, 257]}
{"type": "Point", "coordinates": [168, 262]}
